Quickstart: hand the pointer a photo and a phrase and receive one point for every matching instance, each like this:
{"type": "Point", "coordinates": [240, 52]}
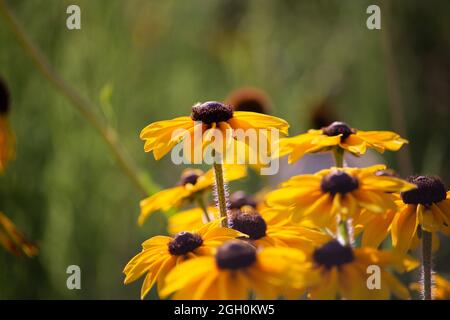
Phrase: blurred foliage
{"type": "Point", "coordinates": [143, 61]}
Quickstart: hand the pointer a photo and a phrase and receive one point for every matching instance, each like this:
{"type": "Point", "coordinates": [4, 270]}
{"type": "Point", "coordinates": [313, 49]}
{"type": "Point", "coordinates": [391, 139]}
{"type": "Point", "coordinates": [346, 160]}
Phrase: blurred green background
{"type": "Point", "coordinates": [142, 61]}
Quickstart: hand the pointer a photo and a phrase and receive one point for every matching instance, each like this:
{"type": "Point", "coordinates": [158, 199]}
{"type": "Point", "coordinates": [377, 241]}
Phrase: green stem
{"type": "Point", "coordinates": [426, 264]}
{"type": "Point", "coordinates": [343, 232]}
{"type": "Point", "coordinates": [201, 204]}
{"type": "Point", "coordinates": [221, 194]}
{"type": "Point", "coordinates": [84, 106]}
{"type": "Point", "coordinates": [338, 157]}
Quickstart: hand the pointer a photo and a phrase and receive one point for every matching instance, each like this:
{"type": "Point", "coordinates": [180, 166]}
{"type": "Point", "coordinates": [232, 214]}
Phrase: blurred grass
{"type": "Point", "coordinates": [144, 61]}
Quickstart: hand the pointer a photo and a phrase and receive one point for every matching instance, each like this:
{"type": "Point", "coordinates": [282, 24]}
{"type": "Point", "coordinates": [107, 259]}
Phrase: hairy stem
{"type": "Point", "coordinates": [221, 193]}
{"type": "Point", "coordinates": [344, 232]}
{"type": "Point", "coordinates": [84, 106]}
{"type": "Point", "coordinates": [426, 264]}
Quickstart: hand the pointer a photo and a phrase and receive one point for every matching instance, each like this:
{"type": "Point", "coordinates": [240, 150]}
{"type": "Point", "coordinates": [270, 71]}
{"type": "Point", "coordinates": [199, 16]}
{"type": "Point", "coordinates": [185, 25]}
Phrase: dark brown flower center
{"type": "Point", "coordinates": [235, 255]}
{"type": "Point", "coordinates": [190, 176]}
{"type": "Point", "coordinates": [4, 98]}
{"type": "Point", "coordinates": [337, 128]}
{"type": "Point", "coordinates": [429, 190]}
{"type": "Point", "coordinates": [184, 242]}
{"type": "Point", "coordinates": [333, 254]}
{"type": "Point", "coordinates": [338, 182]}
{"type": "Point", "coordinates": [211, 111]}
{"type": "Point", "coordinates": [239, 199]}
{"type": "Point", "coordinates": [249, 222]}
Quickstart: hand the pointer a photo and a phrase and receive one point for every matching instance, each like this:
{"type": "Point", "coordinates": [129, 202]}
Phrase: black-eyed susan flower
{"type": "Point", "coordinates": [317, 199]}
{"type": "Point", "coordinates": [236, 271]}
{"type": "Point", "coordinates": [339, 134]}
{"type": "Point", "coordinates": [160, 138]}
{"type": "Point", "coordinates": [343, 272]}
{"type": "Point", "coordinates": [7, 139]}
{"type": "Point", "coordinates": [427, 206]}
{"type": "Point", "coordinates": [440, 290]}
{"type": "Point", "coordinates": [192, 183]}
{"type": "Point", "coordinates": [161, 254]}
{"type": "Point", "coordinates": [268, 231]}
{"type": "Point", "coordinates": [194, 218]}
{"type": "Point", "coordinates": [13, 240]}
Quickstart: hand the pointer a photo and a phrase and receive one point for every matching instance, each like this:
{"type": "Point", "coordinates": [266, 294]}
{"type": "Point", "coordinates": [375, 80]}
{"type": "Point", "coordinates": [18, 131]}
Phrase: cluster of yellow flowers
{"type": "Point", "coordinates": [313, 237]}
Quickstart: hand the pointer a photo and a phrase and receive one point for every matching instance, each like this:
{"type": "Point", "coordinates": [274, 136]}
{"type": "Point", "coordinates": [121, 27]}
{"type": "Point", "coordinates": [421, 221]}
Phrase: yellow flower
{"type": "Point", "coordinates": [192, 182]}
{"type": "Point", "coordinates": [343, 272]}
{"type": "Point", "coordinates": [267, 231]}
{"type": "Point", "coordinates": [7, 139]}
{"type": "Point", "coordinates": [237, 270]}
{"type": "Point", "coordinates": [339, 134]}
{"type": "Point", "coordinates": [428, 206]}
{"type": "Point", "coordinates": [161, 254]}
{"type": "Point", "coordinates": [160, 137]}
{"type": "Point", "coordinates": [317, 199]}
{"type": "Point", "coordinates": [195, 218]}
{"type": "Point", "coordinates": [440, 290]}
{"type": "Point", "coordinates": [13, 240]}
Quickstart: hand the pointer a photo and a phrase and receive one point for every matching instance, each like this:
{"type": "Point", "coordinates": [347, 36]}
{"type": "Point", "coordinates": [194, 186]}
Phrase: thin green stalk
{"type": "Point", "coordinates": [426, 265]}
{"type": "Point", "coordinates": [338, 157]}
{"type": "Point", "coordinates": [221, 193]}
{"type": "Point", "coordinates": [84, 106]}
{"type": "Point", "coordinates": [201, 203]}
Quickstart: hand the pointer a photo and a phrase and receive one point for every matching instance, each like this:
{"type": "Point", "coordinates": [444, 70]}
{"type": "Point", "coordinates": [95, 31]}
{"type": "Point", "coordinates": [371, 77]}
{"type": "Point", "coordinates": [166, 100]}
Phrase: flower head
{"type": "Point", "coordinates": [160, 137]}
{"type": "Point", "coordinates": [236, 270]}
{"type": "Point", "coordinates": [343, 272]}
{"type": "Point", "coordinates": [319, 198]}
{"type": "Point", "coordinates": [339, 134]}
{"type": "Point", "coordinates": [192, 182]}
{"type": "Point", "coordinates": [161, 254]}
{"type": "Point", "coordinates": [427, 206]}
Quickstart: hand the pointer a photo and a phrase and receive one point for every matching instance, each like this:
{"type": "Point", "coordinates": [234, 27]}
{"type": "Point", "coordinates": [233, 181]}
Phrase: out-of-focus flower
{"type": "Point", "coordinates": [440, 290]}
{"type": "Point", "coordinates": [427, 206]}
{"type": "Point", "coordinates": [161, 254]}
{"type": "Point", "coordinates": [343, 272]}
{"type": "Point", "coordinates": [237, 270]}
{"type": "Point", "coordinates": [13, 240]}
{"type": "Point", "coordinates": [249, 99]}
{"type": "Point", "coordinates": [318, 199]}
{"type": "Point", "coordinates": [7, 138]}
{"type": "Point", "coordinates": [339, 134]}
{"type": "Point", "coordinates": [192, 182]}
{"type": "Point", "coordinates": [160, 137]}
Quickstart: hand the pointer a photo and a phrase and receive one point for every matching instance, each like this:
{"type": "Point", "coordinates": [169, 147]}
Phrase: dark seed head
{"type": "Point", "coordinates": [333, 254]}
{"type": "Point", "coordinates": [338, 182]}
{"type": "Point", "coordinates": [184, 242]}
{"type": "Point", "coordinates": [4, 98]}
{"type": "Point", "coordinates": [190, 176]}
{"type": "Point", "coordinates": [337, 128]}
{"type": "Point", "coordinates": [429, 190]}
{"type": "Point", "coordinates": [211, 111]}
{"type": "Point", "coordinates": [235, 254]}
{"type": "Point", "coordinates": [239, 199]}
{"type": "Point", "coordinates": [248, 221]}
